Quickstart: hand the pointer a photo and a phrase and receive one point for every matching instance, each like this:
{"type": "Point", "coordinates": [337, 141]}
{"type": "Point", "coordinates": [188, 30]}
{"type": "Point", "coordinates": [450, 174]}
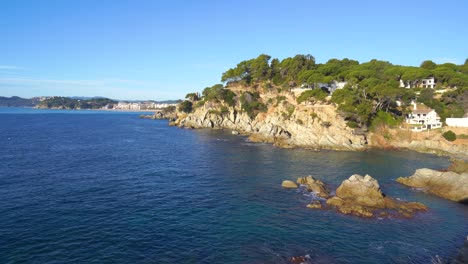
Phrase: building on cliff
{"type": "Point", "coordinates": [328, 87]}
{"type": "Point", "coordinates": [422, 118]}
{"type": "Point", "coordinates": [420, 83]}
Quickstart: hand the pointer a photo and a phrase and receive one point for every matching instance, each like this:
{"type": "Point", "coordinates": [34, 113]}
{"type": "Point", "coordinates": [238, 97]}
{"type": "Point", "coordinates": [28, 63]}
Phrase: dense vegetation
{"type": "Point", "coordinates": [68, 103]}
{"type": "Point", "coordinates": [371, 94]}
{"type": "Point", "coordinates": [16, 101]}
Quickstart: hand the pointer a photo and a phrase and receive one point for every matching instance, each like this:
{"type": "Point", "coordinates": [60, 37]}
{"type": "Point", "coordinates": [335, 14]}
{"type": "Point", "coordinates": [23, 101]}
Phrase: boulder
{"type": "Point", "coordinates": [364, 190]}
{"type": "Point", "coordinates": [314, 185]}
{"type": "Point", "coordinates": [362, 196]}
{"type": "Point", "coordinates": [289, 184]}
{"type": "Point", "coordinates": [449, 185]}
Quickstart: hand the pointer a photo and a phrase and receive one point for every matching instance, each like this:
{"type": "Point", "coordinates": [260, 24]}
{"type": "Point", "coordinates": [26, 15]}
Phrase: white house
{"type": "Point", "coordinates": [421, 83]}
{"type": "Point", "coordinates": [427, 83]}
{"type": "Point", "coordinates": [423, 118]}
{"type": "Point", "coordinates": [457, 122]}
{"type": "Point", "coordinates": [330, 87]}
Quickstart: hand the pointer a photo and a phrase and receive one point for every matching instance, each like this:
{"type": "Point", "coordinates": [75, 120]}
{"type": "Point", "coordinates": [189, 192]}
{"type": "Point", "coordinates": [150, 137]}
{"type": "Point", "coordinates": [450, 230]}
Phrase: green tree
{"type": "Point", "coordinates": [186, 106]}
{"type": "Point", "coordinates": [428, 65]}
{"type": "Point", "coordinates": [193, 96]}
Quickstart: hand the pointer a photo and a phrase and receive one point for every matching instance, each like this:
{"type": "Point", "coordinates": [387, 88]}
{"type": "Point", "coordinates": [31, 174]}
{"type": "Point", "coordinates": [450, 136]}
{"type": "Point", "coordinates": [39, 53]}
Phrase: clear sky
{"type": "Point", "coordinates": [163, 49]}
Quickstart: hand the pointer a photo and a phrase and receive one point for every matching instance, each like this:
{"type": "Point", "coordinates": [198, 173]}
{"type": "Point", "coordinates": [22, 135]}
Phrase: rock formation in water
{"type": "Point", "coordinates": [359, 196]}
{"type": "Point", "coordinates": [314, 185]}
{"type": "Point", "coordinates": [362, 196]}
{"type": "Point", "coordinates": [289, 184]}
{"type": "Point", "coordinates": [449, 185]}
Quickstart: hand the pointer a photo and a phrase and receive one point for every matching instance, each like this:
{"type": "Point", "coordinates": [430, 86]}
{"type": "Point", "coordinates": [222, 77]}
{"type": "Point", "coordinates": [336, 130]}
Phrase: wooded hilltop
{"type": "Point", "coordinates": [370, 95]}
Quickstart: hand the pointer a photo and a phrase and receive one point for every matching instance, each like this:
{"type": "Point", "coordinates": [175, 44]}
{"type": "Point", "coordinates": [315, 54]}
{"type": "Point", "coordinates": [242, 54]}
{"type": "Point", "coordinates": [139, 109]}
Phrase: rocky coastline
{"type": "Point", "coordinates": [311, 126]}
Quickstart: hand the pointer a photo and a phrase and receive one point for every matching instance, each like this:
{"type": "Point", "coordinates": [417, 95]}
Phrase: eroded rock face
{"type": "Point", "coordinates": [448, 185]}
{"type": "Point", "coordinates": [314, 185]}
{"type": "Point", "coordinates": [309, 126]}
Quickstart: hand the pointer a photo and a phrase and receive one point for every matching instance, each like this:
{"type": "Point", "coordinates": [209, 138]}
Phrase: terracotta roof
{"type": "Point", "coordinates": [422, 111]}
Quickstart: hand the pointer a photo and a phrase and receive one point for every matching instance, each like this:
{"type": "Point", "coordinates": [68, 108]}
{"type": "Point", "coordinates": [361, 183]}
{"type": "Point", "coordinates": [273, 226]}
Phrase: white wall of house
{"type": "Point", "coordinates": [427, 83]}
{"type": "Point", "coordinates": [423, 119]}
{"type": "Point", "coordinates": [422, 83]}
{"type": "Point", "coordinates": [457, 122]}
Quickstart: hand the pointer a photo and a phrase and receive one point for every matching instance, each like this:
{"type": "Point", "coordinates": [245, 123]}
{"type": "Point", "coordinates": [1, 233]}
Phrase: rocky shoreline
{"type": "Point", "coordinates": [320, 127]}
{"type": "Point", "coordinates": [451, 185]}
{"type": "Point", "coordinates": [312, 126]}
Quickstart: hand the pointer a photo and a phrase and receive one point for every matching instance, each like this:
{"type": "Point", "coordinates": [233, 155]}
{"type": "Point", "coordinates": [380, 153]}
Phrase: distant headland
{"type": "Point", "coordinates": [84, 103]}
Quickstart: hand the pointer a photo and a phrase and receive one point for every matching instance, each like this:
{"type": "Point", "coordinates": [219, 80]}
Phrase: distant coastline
{"type": "Point", "coordinates": [85, 103]}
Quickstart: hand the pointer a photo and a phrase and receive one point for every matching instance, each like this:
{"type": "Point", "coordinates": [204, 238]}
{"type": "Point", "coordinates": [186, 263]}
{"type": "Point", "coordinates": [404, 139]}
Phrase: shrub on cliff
{"type": "Point", "coordinates": [186, 107]}
{"type": "Point", "coordinates": [218, 93]}
{"type": "Point", "coordinates": [449, 135]}
{"type": "Point", "coordinates": [317, 94]}
{"type": "Point", "coordinates": [383, 119]}
{"type": "Point", "coordinates": [251, 104]}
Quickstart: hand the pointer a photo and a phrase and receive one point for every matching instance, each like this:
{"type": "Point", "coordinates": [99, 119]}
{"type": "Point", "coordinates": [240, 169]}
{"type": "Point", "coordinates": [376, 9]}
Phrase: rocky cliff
{"type": "Point", "coordinates": [285, 124]}
{"type": "Point", "coordinates": [449, 185]}
{"type": "Point", "coordinates": [428, 141]}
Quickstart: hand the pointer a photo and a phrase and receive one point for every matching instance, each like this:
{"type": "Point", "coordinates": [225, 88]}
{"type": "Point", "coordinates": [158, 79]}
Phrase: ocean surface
{"type": "Point", "coordinates": [108, 187]}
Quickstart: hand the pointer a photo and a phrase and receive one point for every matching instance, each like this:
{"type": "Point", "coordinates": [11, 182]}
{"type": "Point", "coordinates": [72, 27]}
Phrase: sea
{"type": "Point", "coordinates": [109, 187]}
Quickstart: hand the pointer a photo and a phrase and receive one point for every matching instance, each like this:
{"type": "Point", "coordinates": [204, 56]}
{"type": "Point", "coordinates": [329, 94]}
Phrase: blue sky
{"type": "Point", "coordinates": [164, 49]}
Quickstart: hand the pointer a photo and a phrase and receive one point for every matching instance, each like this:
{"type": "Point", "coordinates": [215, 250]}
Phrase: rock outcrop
{"type": "Point", "coordinates": [314, 185]}
{"type": "Point", "coordinates": [161, 114]}
{"type": "Point", "coordinates": [289, 184]}
{"type": "Point", "coordinates": [359, 196]}
{"type": "Point", "coordinates": [362, 196]}
{"type": "Point", "coordinates": [449, 185]}
{"type": "Point", "coordinates": [310, 126]}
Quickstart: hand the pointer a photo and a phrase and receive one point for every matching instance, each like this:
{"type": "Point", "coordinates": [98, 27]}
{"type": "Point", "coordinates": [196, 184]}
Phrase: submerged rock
{"type": "Point", "coordinates": [300, 260]}
{"type": "Point", "coordinates": [289, 184]}
{"type": "Point", "coordinates": [315, 205]}
{"type": "Point", "coordinates": [462, 257]}
{"type": "Point", "coordinates": [449, 185]}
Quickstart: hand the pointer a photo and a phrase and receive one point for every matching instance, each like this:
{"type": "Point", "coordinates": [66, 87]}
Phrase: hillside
{"type": "Point", "coordinates": [297, 102]}
{"type": "Point", "coordinates": [58, 102]}
{"type": "Point", "coordinates": [16, 101]}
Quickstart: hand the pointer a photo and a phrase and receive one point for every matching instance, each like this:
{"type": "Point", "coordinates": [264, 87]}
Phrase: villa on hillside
{"type": "Point", "coordinates": [330, 87]}
{"type": "Point", "coordinates": [423, 118]}
{"type": "Point", "coordinates": [421, 83]}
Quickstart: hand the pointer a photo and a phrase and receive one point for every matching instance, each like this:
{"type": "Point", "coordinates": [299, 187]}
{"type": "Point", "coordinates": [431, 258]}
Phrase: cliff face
{"type": "Point", "coordinates": [310, 126]}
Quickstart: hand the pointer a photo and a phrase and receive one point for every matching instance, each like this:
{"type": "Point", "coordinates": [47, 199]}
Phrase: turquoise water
{"type": "Point", "coordinates": [106, 187]}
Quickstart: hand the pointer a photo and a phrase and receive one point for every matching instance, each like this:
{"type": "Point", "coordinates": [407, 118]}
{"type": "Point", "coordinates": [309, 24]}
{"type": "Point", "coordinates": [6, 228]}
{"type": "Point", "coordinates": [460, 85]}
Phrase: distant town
{"type": "Point", "coordinates": [97, 103]}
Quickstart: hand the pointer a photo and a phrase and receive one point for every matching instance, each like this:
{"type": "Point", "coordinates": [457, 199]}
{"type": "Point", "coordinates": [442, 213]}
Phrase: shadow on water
{"type": "Point", "coordinates": [464, 201]}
